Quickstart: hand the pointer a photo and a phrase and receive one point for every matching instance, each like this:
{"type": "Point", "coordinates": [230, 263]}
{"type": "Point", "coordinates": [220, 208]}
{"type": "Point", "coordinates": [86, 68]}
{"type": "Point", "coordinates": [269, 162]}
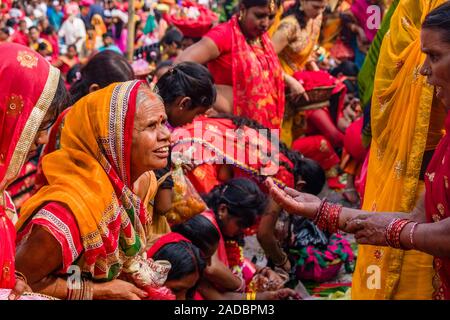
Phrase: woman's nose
{"type": "Point", "coordinates": [42, 137]}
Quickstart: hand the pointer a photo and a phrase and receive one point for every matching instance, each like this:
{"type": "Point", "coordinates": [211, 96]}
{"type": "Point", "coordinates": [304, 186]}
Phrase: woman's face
{"type": "Point", "coordinates": [231, 226]}
{"type": "Point", "coordinates": [181, 286]}
{"type": "Point", "coordinates": [437, 63]}
{"type": "Point", "coordinates": [180, 112]}
{"type": "Point", "coordinates": [313, 8]}
{"type": "Point", "coordinates": [41, 137]}
{"type": "Point", "coordinates": [150, 141]}
{"type": "Point", "coordinates": [256, 21]}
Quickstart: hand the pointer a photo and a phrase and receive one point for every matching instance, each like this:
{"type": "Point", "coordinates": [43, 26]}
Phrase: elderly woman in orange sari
{"type": "Point", "coordinates": [87, 214]}
{"type": "Point", "coordinates": [240, 56]}
{"type": "Point", "coordinates": [26, 112]}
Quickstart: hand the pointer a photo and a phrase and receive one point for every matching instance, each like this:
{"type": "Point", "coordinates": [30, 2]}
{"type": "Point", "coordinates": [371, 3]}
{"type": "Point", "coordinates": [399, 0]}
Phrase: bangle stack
{"type": "Point", "coordinates": [327, 217]}
{"type": "Point", "coordinates": [393, 231]}
{"type": "Point", "coordinates": [85, 292]}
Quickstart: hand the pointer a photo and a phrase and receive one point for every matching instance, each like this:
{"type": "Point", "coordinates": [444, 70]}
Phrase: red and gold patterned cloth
{"type": "Point", "coordinates": [217, 139]}
{"type": "Point", "coordinates": [437, 206]}
{"type": "Point", "coordinates": [27, 86]}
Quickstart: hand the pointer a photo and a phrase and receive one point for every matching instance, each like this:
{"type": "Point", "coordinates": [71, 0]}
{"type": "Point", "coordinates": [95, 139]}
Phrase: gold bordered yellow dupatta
{"type": "Point", "coordinates": [401, 107]}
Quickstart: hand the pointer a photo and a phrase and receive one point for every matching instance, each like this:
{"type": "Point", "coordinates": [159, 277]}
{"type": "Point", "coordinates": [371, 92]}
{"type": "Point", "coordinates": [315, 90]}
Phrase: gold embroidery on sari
{"type": "Point", "coordinates": [33, 123]}
{"type": "Point", "coordinates": [398, 169]}
{"type": "Point", "coordinates": [27, 59]}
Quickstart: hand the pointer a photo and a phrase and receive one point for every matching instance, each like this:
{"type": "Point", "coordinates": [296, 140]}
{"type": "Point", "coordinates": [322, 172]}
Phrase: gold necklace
{"type": "Point", "coordinates": [256, 41]}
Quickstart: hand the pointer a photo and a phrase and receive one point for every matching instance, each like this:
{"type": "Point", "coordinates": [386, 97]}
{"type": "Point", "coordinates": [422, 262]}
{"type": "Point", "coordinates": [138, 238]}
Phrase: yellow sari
{"type": "Point", "coordinates": [296, 54]}
{"type": "Point", "coordinates": [401, 109]}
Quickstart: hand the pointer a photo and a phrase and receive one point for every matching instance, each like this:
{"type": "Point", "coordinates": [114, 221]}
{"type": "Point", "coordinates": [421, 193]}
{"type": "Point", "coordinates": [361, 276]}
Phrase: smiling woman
{"type": "Point", "coordinates": [87, 215]}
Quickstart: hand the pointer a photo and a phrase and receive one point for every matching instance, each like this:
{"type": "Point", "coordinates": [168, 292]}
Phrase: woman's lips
{"type": "Point", "coordinates": [162, 152]}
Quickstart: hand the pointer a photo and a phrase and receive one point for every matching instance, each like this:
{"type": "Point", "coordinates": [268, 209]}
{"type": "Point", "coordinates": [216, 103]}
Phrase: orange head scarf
{"type": "Point", "coordinates": [90, 174]}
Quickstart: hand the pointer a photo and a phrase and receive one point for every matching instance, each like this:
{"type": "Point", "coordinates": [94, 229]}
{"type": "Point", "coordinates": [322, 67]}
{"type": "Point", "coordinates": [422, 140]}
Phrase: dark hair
{"type": "Point", "coordinates": [200, 231]}
{"type": "Point", "coordinates": [103, 69]}
{"type": "Point", "coordinates": [163, 64]}
{"type": "Point", "coordinates": [49, 30]}
{"type": "Point", "coordinates": [107, 35]}
{"type": "Point", "coordinates": [42, 46]}
{"type": "Point", "coordinates": [33, 27]}
{"type": "Point", "coordinates": [185, 259]}
{"type": "Point", "coordinates": [188, 79]}
{"type": "Point", "coordinates": [5, 30]}
{"type": "Point", "coordinates": [172, 36]}
{"type": "Point", "coordinates": [60, 101]}
{"type": "Point", "coordinates": [439, 19]}
{"type": "Point", "coordinates": [243, 198]}
{"type": "Point", "coordinates": [71, 46]}
{"type": "Point", "coordinates": [304, 168]}
{"type": "Point", "coordinates": [73, 73]}
{"type": "Point", "coordinates": [297, 11]}
{"type": "Point", "coordinates": [258, 3]}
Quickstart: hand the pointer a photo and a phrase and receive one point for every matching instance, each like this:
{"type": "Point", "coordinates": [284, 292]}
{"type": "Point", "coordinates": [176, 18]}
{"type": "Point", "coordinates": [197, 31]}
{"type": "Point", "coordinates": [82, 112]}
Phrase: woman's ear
{"type": "Point", "coordinates": [93, 87]}
{"type": "Point", "coordinates": [185, 103]}
{"type": "Point", "coordinates": [223, 211]}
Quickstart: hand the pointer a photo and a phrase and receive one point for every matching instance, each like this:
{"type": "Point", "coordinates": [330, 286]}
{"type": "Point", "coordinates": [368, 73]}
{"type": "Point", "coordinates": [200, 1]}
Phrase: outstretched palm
{"type": "Point", "coordinates": [294, 202]}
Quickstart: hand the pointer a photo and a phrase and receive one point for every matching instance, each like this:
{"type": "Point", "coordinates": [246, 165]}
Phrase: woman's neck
{"type": "Point", "coordinates": [244, 32]}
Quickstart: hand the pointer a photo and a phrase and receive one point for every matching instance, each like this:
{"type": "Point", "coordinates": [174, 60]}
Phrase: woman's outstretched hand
{"type": "Point", "coordinates": [292, 201]}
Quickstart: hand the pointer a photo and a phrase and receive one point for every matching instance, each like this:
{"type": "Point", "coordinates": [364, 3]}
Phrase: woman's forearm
{"type": "Point", "coordinates": [51, 286]}
{"type": "Point", "coordinates": [431, 238]}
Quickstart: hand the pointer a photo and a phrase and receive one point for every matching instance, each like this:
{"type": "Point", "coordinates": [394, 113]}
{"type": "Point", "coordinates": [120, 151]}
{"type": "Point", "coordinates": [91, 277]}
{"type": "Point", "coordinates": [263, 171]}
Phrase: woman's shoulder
{"type": "Point", "coordinates": [221, 35]}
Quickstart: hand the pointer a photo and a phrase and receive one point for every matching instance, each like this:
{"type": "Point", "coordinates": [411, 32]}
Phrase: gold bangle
{"type": "Point", "coordinates": [251, 296]}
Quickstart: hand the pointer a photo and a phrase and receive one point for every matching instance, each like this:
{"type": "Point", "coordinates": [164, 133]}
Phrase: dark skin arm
{"type": "Point", "coordinates": [39, 268]}
{"type": "Point", "coordinates": [202, 52]}
{"type": "Point", "coordinates": [369, 228]}
{"type": "Point", "coordinates": [266, 235]}
{"type": "Point", "coordinates": [221, 275]}
{"type": "Point", "coordinates": [163, 201]}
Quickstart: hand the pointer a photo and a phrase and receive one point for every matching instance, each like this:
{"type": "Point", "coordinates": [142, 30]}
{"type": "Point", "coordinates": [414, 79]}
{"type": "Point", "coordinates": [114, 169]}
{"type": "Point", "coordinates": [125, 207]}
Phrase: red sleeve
{"type": "Point", "coordinates": [61, 224]}
{"type": "Point", "coordinates": [221, 35]}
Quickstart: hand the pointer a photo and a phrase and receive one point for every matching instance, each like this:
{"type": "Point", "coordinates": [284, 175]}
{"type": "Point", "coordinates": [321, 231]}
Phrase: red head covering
{"type": "Point", "coordinates": [171, 237]}
{"type": "Point", "coordinates": [27, 86]}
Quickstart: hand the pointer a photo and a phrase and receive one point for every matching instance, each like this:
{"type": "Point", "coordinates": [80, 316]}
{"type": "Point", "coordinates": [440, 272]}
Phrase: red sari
{"type": "Point", "coordinates": [437, 206]}
{"type": "Point", "coordinates": [22, 109]}
{"type": "Point", "coordinates": [252, 70]}
{"type": "Point", "coordinates": [218, 140]}
{"type": "Point", "coordinates": [258, 84]}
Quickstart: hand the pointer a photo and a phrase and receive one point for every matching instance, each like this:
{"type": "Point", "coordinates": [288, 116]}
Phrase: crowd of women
{"type": "Point", "coordinates": [109, 190]}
